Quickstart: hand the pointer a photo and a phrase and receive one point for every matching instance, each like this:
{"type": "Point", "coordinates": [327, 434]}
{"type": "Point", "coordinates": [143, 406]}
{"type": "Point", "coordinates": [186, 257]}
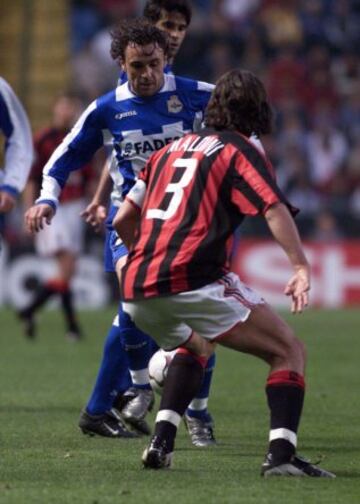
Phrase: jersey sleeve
{"type": "Point", "coordinates": [18, 148]}
{"type": "Point", "coordinates": [254, 188]}
{"type": "Point", "coordinates": [136, 195]}
{"type": "Point", "coordinates": [73, 153]}
{"type": "Point", "coordinates": [199, 99]}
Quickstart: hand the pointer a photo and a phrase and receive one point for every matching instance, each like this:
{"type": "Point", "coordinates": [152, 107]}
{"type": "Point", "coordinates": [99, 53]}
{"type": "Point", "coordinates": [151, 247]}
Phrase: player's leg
{"type": "Point", "coordinates": [55, 241]}
{"type": "Point", "coordinates": [183, 381]}
{"type": "Point", "coordinates": [266, 335]}
{"type": "Point", "coordinates": [98, 417]}
{"type": "Point", "coordinates": [66, 261]}
{"type": "Point", "coordinates": [199, 421]}
{"type": "Point", "coordinates": [46, 290]}
{"type": "Point", "coordinates": [73, 241]}
{"type": "Point", "coordinates": [139, 399]}
{"type": "Point", "coordinates": [112, 381]}
{"type": "Point", "coordinates": [184, 378]}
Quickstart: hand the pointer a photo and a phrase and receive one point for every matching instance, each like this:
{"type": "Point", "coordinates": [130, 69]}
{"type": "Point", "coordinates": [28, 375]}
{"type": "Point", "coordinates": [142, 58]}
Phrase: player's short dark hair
{"type": "Point", "coordinates": [239, 102]}
{"type": "Point", "coordinates": [135, 31]}
{"type": "Point", "coordinates": [153, 8]}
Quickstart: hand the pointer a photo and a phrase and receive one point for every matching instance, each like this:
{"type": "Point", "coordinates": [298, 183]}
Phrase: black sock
{"type": "Point", "coordinates": [182, 383]}
{"type": "Point", "coordinates": [68, 309]}
{"type": "Point", "coordinates": [285, 394]}
{"type": "Point", "coordinates": [41, 296]}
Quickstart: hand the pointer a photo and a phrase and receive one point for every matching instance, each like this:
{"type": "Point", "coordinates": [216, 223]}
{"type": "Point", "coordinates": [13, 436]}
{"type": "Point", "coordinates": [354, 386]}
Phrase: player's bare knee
{"type": "Point", "coordinates": [290, 344]}
{"type": "Point", "coordinates": [301, 350]}
{"type": "Point", "coordinates": [296, 353]}
{"type": "Point", "coordinates": [199, 346]}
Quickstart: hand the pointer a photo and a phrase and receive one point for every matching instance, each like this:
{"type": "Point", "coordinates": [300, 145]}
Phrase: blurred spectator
{"type": "Point", "coordinates": [342, 24]}
{"type": "Point", "coordinates": [349, 115]}
{"type": "Point", "coordinates": [346, 71]}
{"type": "Point", "coordinates": [294, 179]}
{"type": "Point", "coordinates": [85, 22]}
{"type": "Point", "coordinates": [326, 228]}
{"type": "Point", "coordinates": [87, 78]}
{"type": "Point", "coordinates": [93, 68]}
{"type": "Point", "coordinates": [312, 15]}
{"type": "Point", "coordinates": [354, 178]}
{"type": "Point", "coordinates": [292, 132]}
{"type": "Point", "coordinates": [282, 24]}
{"type": "Point", "coordinates": [327, 150]}
{"type": "Point", "coordinates": [220, 58]}
{"type": "Point", "coordinates": [236, 14]}
{"type": "Point", "coordinates": [286, 77]}
{"type": "Point", "coordinates": [253, 56]}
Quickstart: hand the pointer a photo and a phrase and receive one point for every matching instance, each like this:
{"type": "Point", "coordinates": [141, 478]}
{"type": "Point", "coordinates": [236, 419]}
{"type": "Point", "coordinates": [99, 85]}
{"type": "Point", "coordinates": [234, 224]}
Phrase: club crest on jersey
{"type": "Point", "coordinates": [174, 104]}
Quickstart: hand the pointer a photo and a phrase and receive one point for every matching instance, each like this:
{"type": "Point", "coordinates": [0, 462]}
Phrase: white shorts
{"type": "Point", "coordinates": [66, 231]}
{"type": "Point", "coordinates": [209, 311]}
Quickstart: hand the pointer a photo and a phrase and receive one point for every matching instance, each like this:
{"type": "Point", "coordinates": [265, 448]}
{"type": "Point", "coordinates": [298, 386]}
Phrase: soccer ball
{"type": "Point", "coordinates": [158, 367]}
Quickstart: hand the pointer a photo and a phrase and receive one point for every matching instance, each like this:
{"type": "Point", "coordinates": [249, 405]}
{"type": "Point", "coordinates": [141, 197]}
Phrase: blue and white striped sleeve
{"type": "Point", "coordinates": [202, 97]}
{"type": "Point", "coordinates": [15, 126]}
{"type": "Point", "coordinates": [77, 148]}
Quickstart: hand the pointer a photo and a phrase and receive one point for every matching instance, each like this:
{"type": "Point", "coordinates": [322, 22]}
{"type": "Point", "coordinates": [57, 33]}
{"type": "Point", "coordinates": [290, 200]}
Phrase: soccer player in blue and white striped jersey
{"type": "Point", "coordinates": [134, 120]}
{"type": "Point", "coordinates": [14, 125]}
{"type": "Point", "coordinates": [18, 156]}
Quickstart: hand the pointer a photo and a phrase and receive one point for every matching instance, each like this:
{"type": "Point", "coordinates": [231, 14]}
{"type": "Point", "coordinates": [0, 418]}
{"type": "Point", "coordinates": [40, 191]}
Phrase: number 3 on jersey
{"type": "Point", "coordinates": [176, 188]}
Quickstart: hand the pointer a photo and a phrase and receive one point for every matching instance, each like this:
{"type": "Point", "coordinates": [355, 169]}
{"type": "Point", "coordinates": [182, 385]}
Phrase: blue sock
{"type": "Point", "coordinates": [113, 376]}
{"type": "Point", "coordinates": [139, 349]}
{"type": "Point", "coordinates": [198, 406]}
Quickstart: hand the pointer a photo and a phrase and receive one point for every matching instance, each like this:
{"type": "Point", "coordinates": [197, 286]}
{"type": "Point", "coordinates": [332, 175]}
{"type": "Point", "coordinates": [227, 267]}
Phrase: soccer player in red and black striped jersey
{"type": "Point", "coordinates": [177, 285]}
{"type": "Point", "coordinates": [63, 241]}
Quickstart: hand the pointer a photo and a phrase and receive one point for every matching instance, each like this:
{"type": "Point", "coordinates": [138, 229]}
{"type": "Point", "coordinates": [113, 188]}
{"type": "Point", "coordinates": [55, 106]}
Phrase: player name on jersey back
{"type": "Point", "coordinates": [195, 143]}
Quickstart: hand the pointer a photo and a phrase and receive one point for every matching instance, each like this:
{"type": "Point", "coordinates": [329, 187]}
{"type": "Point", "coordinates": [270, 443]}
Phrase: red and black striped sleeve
{"type": "Point", "coordinates": [253, 181]}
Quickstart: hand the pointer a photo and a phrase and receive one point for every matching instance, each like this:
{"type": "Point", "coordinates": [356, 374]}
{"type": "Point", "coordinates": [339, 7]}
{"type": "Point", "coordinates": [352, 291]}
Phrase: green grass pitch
{"type": "Point", "coordinates": [45, 459]}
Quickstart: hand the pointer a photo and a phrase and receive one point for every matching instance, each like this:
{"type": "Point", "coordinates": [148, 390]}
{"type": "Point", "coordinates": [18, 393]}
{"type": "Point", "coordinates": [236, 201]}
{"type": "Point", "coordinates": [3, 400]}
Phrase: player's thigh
{"type": "Point", "coordinates": [264, 334]}
{"type": "Point", "coordinates": [66, 261]}
{"type": "Point", "coordinates": [200, 346]}
{"type": "Point", "coordinates": [118, 253]}
{"type": "Point", "coordinates": [155, 317]}
{"type": "Point", "coordinates": [119, 266]}
{"type": "Point", "coordinates": [214, 309]}
{"type": "Point", "coordinates": [75, 224]}
{"type": "Point", "coordinates": [53, 238]}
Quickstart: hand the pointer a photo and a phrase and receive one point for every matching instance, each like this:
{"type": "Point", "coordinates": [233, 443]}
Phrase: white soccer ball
{"type": "Point", "coordinates": [158, 367]}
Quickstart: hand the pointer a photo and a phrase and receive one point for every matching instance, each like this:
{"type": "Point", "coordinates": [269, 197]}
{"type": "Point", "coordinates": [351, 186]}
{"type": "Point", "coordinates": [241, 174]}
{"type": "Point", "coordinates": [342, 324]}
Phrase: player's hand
{"type": "Point", "coordinates": [95, 215]}
{"type": "Point", "coordinates": [7, 201]}
{"type": "Point", "coordinates": [298, 288]}
{"type": "Point", "coordinates": [37, 216]}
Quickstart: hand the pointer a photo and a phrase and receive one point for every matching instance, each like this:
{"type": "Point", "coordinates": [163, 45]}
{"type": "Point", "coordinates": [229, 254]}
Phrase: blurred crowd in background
{"type": "Point", "coordinates": [307, 53]}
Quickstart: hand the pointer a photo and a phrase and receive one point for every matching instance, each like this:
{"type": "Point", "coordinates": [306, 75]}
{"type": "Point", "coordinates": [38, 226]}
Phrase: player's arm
{"type": "Point", "coordinates": [74, 152]}
{"type": "Point", "coordinates": [126, 222]}
{"type": "Point", "coordinates": [127, 219]}
{"type": "Point", "coordinates": [256, 193]}
{"type": "Point", "coordinates": [284, 230]}
{"type": "Point", "coordinates": [18, 151]}
{"type": "Point", "coordinates": [30, 193]}
{"type": "Point", "coordinates": [37, 216]}
{"type": "Point", "coordinates": [95, 212]}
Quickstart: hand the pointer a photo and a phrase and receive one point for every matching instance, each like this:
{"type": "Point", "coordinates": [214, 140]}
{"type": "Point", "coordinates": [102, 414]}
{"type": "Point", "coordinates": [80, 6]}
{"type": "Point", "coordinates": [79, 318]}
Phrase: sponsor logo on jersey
{"type": "Point", "coordinates": [123, 115]}
{"type": "Point", "coordinates": [174, 104]}
{"type": "Point", "coordinates": [137, 147]}
{"type": "Point", "coordinates": [146, 147]}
